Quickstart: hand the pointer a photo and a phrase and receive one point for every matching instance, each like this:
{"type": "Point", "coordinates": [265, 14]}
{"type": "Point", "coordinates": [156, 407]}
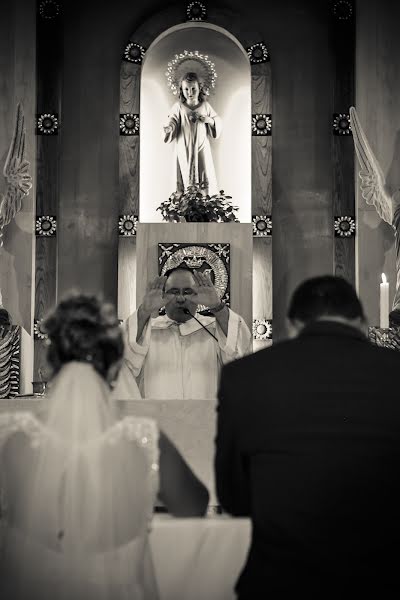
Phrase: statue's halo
{"type": "Point", "coordinates": [191, 61]}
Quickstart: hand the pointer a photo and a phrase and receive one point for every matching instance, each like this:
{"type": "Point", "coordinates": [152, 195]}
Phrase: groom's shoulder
{"type": "Point", "coordinates": [261, 358]}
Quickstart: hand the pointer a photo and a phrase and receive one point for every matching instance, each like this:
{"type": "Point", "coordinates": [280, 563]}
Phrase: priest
{"type": "Point", "coordinates": [179, 355]}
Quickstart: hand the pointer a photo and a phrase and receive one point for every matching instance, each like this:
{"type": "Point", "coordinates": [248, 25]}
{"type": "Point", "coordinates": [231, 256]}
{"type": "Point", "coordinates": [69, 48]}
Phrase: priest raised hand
{"type": "Point", "coordinates": [172, 356]}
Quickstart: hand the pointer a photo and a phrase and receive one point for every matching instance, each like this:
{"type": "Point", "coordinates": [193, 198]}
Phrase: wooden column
{"type": "Point", "coordinates": [48, 125]}
{"type": "Point", "coordinates": [343, 40]}
{"type": "Point", "coordinates": [261, 191]}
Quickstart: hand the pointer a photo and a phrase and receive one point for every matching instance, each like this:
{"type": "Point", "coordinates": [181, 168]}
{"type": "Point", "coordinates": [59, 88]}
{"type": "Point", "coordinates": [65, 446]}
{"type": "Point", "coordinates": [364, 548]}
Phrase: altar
{"type": "Point", "coordinates": [207, 557]}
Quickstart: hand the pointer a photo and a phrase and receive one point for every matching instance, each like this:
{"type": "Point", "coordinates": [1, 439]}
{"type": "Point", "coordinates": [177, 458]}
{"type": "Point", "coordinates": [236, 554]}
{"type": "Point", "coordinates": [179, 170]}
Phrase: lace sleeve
{"type": "Point", "coordinates": [15, 422]}
{"type": "Point", "coordinates": [11, 423]}
{"type": "Point", "coordinates": [144, 432]}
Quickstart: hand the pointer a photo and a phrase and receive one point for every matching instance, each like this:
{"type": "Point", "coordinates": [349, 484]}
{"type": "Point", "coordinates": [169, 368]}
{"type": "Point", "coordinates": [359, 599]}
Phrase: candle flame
{"type": "Point", "coordinates": [384, 280]}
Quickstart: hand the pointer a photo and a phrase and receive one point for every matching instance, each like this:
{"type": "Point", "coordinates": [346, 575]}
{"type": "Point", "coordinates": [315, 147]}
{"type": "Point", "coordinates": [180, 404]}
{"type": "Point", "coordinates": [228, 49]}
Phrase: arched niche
{"type": "Point", "coordinates": [231, 100]}
{"type": "Point", "coordinates": [134, 53]}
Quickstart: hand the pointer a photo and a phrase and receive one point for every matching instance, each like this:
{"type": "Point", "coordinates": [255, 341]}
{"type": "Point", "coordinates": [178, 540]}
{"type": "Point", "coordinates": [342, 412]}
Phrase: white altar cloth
{"type": "Point", "coordinates": [198, 559]}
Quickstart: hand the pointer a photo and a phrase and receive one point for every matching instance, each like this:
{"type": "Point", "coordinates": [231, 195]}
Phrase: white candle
{"type": "Point", "coordinates": [384, 302]}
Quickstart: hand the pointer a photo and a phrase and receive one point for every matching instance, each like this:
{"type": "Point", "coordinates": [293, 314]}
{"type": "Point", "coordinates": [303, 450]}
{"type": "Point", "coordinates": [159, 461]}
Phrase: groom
{"type": "Point", "coordinates": [308, 446]}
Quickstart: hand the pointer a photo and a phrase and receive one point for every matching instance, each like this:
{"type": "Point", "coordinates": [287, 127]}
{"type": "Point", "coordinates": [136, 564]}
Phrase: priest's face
{"type": "Point", "coordinates": [180, 291]}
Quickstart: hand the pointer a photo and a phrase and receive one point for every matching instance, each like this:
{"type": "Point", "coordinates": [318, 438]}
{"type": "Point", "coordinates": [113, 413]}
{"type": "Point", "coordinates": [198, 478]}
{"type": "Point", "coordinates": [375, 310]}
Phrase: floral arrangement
{"type": "Point", "coordinates": [194, 205]}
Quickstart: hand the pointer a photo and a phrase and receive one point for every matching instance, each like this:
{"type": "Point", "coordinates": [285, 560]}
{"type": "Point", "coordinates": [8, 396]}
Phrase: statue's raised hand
{"type": "Point", "coordinates": [206, 292]}
{"type": "Point", "coordinates": [154, 297]}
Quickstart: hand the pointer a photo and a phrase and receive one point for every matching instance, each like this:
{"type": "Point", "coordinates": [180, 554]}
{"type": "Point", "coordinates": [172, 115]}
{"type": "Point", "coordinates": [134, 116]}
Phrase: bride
{"type": "Point", "coordinates": [79, 486]}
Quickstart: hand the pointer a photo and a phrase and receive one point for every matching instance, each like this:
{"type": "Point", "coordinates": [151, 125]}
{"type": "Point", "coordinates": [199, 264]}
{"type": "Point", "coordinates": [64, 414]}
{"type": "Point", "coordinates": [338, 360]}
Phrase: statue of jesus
{"type": "Point", "coordinates": [191, 122]}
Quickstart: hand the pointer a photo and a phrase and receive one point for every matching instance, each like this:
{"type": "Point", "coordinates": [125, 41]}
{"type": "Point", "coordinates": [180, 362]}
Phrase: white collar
{"type": "Point", "coordinates": [190, 326]}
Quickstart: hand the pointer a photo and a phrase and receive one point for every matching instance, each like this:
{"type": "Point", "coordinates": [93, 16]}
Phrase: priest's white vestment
{"type": "Point", "coordinates": [180, 360]}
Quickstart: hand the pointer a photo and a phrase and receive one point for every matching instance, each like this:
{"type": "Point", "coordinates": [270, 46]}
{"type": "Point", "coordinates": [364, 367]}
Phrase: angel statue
{"type": "Point", "coordinates": [375, 191]}
{"type": "Point", "coordinates": [16, 173]}
{"type": "Point", "coordinates": [192, 120]}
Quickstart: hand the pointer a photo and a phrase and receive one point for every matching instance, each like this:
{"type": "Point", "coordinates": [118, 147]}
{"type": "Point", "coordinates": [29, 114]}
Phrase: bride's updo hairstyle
{"type": "Point", "coordinates": [83, 328]}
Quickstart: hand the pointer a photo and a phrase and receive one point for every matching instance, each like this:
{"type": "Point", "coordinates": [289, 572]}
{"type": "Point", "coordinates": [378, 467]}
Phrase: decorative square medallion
{"type": "Point", "coordinates": [129, 124]}
{"type": "Point", "coordinates": [127, 225]}
{"type": "Point", "coordinates": [49, 9]}
{"type": "Point", "coordinates": [342, 10]}
{"type": "Point", "coordinates": [344, 226]}
{"type": "Point", "coordinates": [38, 333]}
{"type": "Point", "coordinates": [47, 124]}
{"type": "Point", "coordinates": [46, 225]}
{"type": "Point", "coordinates": [212, 259]}
{"type": "Point", "coordinates": [134, 53]}
{"type": "Point", "coordinates": [262, 225]}
{"type": "Point", "coordinates": [196, 11]}
{"type": "Point", "coordinates": [341, 124]}
{"type": "Point", "coordinates": [262, 329]}
{"type": "Point", "coordinates": [261, 124]}
{"type": "Point", "coordinates": [258, 53]}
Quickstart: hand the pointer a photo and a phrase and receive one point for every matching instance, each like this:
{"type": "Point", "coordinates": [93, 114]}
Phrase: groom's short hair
{"type": "Point", "coordinates": [325, 296]}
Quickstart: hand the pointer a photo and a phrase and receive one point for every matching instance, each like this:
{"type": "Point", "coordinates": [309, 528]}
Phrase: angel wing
{"type": "Point", "coordinates": [16, 173]}
{"type": "Point", "coordinates": [372, 178]}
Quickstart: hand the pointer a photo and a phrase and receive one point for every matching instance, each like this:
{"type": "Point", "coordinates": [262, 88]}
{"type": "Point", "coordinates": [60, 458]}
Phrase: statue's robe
{"type": "Point", "coordinates": [195, 164]}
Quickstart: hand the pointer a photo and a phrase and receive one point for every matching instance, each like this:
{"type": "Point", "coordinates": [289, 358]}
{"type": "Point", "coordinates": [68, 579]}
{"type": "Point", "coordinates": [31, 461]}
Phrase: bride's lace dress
{"type": "Point", "coordinates": [77, 503]}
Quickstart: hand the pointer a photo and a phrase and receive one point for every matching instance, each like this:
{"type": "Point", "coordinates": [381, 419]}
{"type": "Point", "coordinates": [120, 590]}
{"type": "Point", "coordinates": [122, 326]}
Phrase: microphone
{"type": "Point", "coordinates": [187, 312]}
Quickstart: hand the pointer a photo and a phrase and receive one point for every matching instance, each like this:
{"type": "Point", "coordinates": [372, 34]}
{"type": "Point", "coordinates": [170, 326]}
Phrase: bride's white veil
{"type": "Point", "coordinates": [87, 488]}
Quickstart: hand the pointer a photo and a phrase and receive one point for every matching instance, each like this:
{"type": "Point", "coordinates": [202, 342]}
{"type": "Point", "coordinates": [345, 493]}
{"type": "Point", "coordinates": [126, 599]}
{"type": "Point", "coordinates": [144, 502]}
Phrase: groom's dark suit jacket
{"type": "Point", "coordinates": [308, 446]}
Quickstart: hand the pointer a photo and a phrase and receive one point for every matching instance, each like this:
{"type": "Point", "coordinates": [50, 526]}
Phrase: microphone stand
{"type": "Point", "coordinates": [187, 312]}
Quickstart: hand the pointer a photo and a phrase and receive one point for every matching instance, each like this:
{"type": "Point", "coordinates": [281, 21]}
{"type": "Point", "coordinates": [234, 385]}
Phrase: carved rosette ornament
{"type": "Point", "coordinates": [46, 226]}
{"type": "Point", "coordinates": [49, 9]}
{"type": "Point", "coordinates": [258, 53]}
{"type": "Point", "coordinates": [127, 225]}
{"type": "Point", "coordinates": [341, 124]}
{"type": "Point", "coordinates": [134, 53]}
{"type": "Point", "coordinates": [38, 333]}
{"type": "Point", "coordinates": [196, 11]}
{"type": "Point", "coordinates": [129, 124]}
{"type": "Point", "coordinates": [262, 329]}
{"type": "Point", "coordinates": [261, 124]}
{"type": "Point", "coordinates": [345, 226]}
{"type": "Point", "coordinates": [262, 225]}
{"type": "Point", "coordinates": [47, 124]}
{"type": "Point", "coordinates": [342, 10]}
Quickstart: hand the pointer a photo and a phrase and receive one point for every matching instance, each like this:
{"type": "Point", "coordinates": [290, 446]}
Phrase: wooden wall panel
{"type": "Point", "coordinates": [126, 276]}
{"type": "Point", "coordinates": [343, 36]}
{"type": "Point", "coordinates": [47, 169]}
{"type": "Point", "coordinates": [129, 149]}
{"type": "Point", "coordinates": [129, 146]}
{"type": "Point", "coordinates": [261, 145]}
{"type": "Point", "coordinates": [49, 61]}
{"type": "Point", "coordinates": [129, 87]}
{"type": "Point", "coordinates": [262, 284]}
{"type": "Point", "coordinates": [45, 295]}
